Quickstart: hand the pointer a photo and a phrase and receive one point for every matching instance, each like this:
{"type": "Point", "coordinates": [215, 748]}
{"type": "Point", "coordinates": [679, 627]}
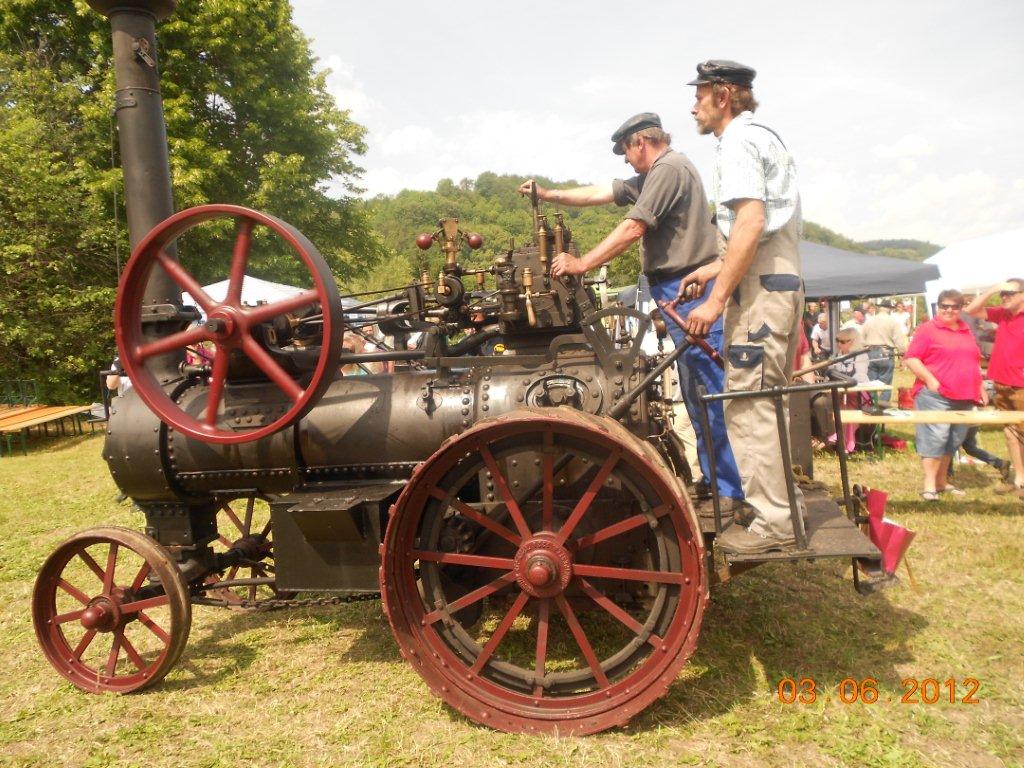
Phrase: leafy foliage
{"type": "Point", "coordinates": [248, 121]}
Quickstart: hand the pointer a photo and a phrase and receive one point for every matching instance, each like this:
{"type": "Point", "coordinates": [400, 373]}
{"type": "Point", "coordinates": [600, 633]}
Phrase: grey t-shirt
{"type": "Point", "coordinates": [670, 200]}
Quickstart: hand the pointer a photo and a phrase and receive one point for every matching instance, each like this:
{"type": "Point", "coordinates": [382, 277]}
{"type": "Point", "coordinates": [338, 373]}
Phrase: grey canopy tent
{"type": "Point", "coordinates": [834, 273]}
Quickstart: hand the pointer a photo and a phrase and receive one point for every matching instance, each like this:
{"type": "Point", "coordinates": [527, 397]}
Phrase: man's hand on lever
{"type": "Point", "coordinates": [692, 286]}
{"type": "Point", "coordinates": [526, 189]}
{"type": "Point", "coordinates": [565, 264]}
{"type": "Point", "coordinates": [700, 319]}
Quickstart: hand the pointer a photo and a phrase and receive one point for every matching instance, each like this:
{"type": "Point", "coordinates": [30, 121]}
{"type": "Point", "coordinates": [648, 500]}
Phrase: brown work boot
{"type": "Point", "coordinates": [729, 506]}
{"type": "Point", "coordinates": [738, 540]}
{"type": "Point", "coordinates": [1010, 488]}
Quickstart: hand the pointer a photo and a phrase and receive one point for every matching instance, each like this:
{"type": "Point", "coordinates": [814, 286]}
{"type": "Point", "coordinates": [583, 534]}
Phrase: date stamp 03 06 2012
{"type": "Point", "coordinates": [928, 690]}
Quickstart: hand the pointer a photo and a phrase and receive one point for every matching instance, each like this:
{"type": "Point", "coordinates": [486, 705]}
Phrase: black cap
{"type": "Point", "coordinates": [887, 304]}
{"type": "Point", "coordinates": [724, 71]}
{"type": "Point", "coordinates": [631, 126]}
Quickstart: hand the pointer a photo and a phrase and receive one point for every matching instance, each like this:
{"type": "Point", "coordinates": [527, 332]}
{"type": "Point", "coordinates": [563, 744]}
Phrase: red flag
{"type": "Point", "coordinates": [892, 539]}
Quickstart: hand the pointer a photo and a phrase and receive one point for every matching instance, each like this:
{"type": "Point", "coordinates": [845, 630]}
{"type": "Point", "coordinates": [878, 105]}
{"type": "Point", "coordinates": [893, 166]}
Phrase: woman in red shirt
{"type": "Point", "coordinates": [947, 363]}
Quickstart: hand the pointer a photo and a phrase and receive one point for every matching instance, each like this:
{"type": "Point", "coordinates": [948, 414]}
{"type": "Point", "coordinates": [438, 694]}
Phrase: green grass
{"type": "Point", "coordinates": [326, 686]}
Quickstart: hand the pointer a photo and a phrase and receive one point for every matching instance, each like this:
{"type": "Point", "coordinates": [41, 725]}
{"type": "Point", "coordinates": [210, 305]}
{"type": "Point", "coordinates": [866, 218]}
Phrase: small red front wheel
{"type": "Point", "coordinates": [111, 611]}
{"type": "Point", "coordinates": [229, 326]}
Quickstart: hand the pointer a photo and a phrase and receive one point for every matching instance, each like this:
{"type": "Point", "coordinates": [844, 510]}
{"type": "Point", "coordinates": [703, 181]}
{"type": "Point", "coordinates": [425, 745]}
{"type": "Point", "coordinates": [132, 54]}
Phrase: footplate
{"type": "Point", "coordinates": [830, 533]}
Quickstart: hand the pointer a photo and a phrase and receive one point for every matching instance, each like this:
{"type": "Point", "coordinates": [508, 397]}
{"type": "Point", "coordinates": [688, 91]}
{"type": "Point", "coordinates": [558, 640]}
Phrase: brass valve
{"type": "Point", "coordinates": [542, 241]}
{"type": "Point", "coordinates": [531, 316]}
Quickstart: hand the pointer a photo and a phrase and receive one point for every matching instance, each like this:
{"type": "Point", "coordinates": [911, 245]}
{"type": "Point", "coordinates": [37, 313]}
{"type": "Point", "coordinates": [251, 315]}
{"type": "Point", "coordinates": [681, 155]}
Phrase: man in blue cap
{"type": "Point", "coordinates": [758, 289]}
{"type": "Point", "coordinates": [670, 216]}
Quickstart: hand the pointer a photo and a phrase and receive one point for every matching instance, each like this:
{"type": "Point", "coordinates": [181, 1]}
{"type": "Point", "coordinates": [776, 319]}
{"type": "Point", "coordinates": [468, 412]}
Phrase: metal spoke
{"type": "Point", "coordinates": [269, 366]}
{"type": "Point", "coordinates": [153, 627]}
{"type": "Point", "coordinates": [108, 576]}
{"type": "Point", "coordinates": [83, 644]}
{"type": "Point", "coordinates": [510, 503]}
{"type": "Point", "coordinates": [227, 510]}
{"type": "Point", "coordinates": [115, 651]}
{"type": "Point", "coordinates": [239, 261]}
{"type": "Point", "coordinates": [186, 282]}
{"type": "Point", "coordinates": [617, 529]}
{"type": "Point", "coordinates": [93, 565]}
{"type": "Point", "coordinates": [582, 641]}
{"type": "Point", "coordinates": [500, 632]}
{"type": "Point", "coordinates": [218, 378]}
{"type": "Point", "coordinates": [265, 312]}
{"type": "Point", "coordinates": [250, 507]}
{"type": "Point", "coordinates": [628, 574]}
{"type": "Point", "coordinates": [64, 618]}
{"type": "Point", "coordinates": [615, 610]}
{"type": "Point", "coordinates": [141, 605]}
{"type": "Point", "coordinates": [548, 481]}
{"type": "Point", "coordinates": [469, 598]}
{"type": "Point", "coordinates": [477, 517]}
{"type": "Point", "coordinates": [75, 592]}
{"type": "Point", "coordinates": [457, 558]}
{"type": "Point", "coordinates": [140, 577]}
{"type": "Point", "coordinates": [132, 654]}
{"type": "Point", "coordinates": [543, 623]}
{"type": "Point", "coordinates": [172, 343]}
{"type": "Point", "coordinates": [588, 497]}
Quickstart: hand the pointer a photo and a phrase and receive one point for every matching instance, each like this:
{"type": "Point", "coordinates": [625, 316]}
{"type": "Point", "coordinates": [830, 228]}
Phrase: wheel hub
{"type": "Point", "coordinates": [102, 615]}
{"type": "Point", "coordinates": [543, 568]}
{"type": "Point", "coordinates": [222, 324]}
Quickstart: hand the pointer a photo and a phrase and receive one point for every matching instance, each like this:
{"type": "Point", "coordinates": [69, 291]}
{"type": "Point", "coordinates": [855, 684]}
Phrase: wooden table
{"type": "Point", "coordinates": [35, 416]}
{"type": "Point", "coordinates": [986, 417]}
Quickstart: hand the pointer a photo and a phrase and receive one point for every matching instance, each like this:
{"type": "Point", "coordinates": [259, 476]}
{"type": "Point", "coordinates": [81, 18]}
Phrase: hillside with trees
{"type": "Point", "coordinates": [492, 206]}
{"type": "Point", "coordinates": [913, 250]}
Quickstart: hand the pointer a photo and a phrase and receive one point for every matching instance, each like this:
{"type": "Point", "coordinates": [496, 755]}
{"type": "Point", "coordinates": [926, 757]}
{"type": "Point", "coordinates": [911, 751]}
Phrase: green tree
{"type": "Point", "coordinates": [249, 121]}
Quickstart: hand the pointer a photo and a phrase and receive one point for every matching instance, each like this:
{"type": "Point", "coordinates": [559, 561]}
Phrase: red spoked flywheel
{"type": "Point", "coordinates": [229, 324]}
{"type": "Point", "coordinates": [544, 572]}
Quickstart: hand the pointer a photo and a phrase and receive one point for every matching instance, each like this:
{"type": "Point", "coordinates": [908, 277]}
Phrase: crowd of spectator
{"type": "Point", "coordinates": [946, 354]}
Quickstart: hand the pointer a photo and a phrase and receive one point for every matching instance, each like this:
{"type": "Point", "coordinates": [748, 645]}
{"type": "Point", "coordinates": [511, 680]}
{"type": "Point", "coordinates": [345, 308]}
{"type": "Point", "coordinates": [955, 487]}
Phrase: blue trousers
{"type": "Point", "coordinates": [881, 368]}
{"type": "Point", "coordinates": [695, 369]}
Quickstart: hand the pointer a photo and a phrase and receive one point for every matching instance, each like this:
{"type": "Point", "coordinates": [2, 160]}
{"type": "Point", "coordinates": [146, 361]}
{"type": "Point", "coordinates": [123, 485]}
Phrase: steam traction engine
{"type": "Point", "coordinates": [522, 515]}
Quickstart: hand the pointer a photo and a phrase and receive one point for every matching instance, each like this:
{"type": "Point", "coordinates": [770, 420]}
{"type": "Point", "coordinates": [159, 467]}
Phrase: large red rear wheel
{"type": "Point", "coordinates": [111, 611]}
{"type": "Point", "coordinates": [229, 324]}
{"type": "Point", "coordinates": [543, 572]}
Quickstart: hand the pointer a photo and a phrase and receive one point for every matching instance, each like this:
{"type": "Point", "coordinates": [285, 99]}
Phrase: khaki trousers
{"type": "Point", "coordinates": [761, 322]}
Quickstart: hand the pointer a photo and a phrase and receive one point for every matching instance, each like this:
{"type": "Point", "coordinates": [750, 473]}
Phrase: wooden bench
{"type": "Point", "coordinates": [22, 420]}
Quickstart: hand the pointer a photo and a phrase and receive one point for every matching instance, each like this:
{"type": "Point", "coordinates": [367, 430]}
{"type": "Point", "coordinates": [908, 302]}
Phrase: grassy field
{"type": "Point", "coordinates": [326, 686]}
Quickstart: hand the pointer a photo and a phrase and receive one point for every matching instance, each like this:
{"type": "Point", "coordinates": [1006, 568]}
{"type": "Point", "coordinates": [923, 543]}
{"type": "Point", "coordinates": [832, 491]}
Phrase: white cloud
{"type": "Point", "coordinates": [407, 140]}
{"type": "Point", "coordinates": [349, 93]}
{"type": "Point", "coordinates": [944, 209]}
{"type": "Point", "coordinates": [910, 145]}
{"type": "Point", "coordinates": [599, 85]}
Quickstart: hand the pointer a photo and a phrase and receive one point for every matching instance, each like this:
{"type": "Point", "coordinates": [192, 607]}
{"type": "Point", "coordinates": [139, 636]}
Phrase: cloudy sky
{"type": "Point", "coordinates": [905, 116]}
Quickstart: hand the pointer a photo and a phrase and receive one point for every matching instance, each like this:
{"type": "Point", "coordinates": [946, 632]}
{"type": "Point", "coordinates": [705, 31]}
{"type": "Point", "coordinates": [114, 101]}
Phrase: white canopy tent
{"type": "Point", "coordinates": [254, 291]}
{"type": "Point", "coordinates": [972, 265]}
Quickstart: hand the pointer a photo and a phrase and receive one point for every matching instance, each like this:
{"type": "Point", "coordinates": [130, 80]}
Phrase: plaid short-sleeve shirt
{"type": "Point", "coordinates": [752, 163]}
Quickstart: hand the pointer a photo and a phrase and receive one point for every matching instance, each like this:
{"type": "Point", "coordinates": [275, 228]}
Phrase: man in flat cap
{"type": "Point", "coordinates": [671, 218]}
{"type": "Point", "coordinates": [883, 335]}
{"type": "Point", "coordinates": [758, 289]}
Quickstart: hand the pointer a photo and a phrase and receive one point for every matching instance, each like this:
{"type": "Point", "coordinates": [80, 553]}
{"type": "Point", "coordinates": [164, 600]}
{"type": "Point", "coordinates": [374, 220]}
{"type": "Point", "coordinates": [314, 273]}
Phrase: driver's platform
{"type": "Point", "coordinates": [830, 533]}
